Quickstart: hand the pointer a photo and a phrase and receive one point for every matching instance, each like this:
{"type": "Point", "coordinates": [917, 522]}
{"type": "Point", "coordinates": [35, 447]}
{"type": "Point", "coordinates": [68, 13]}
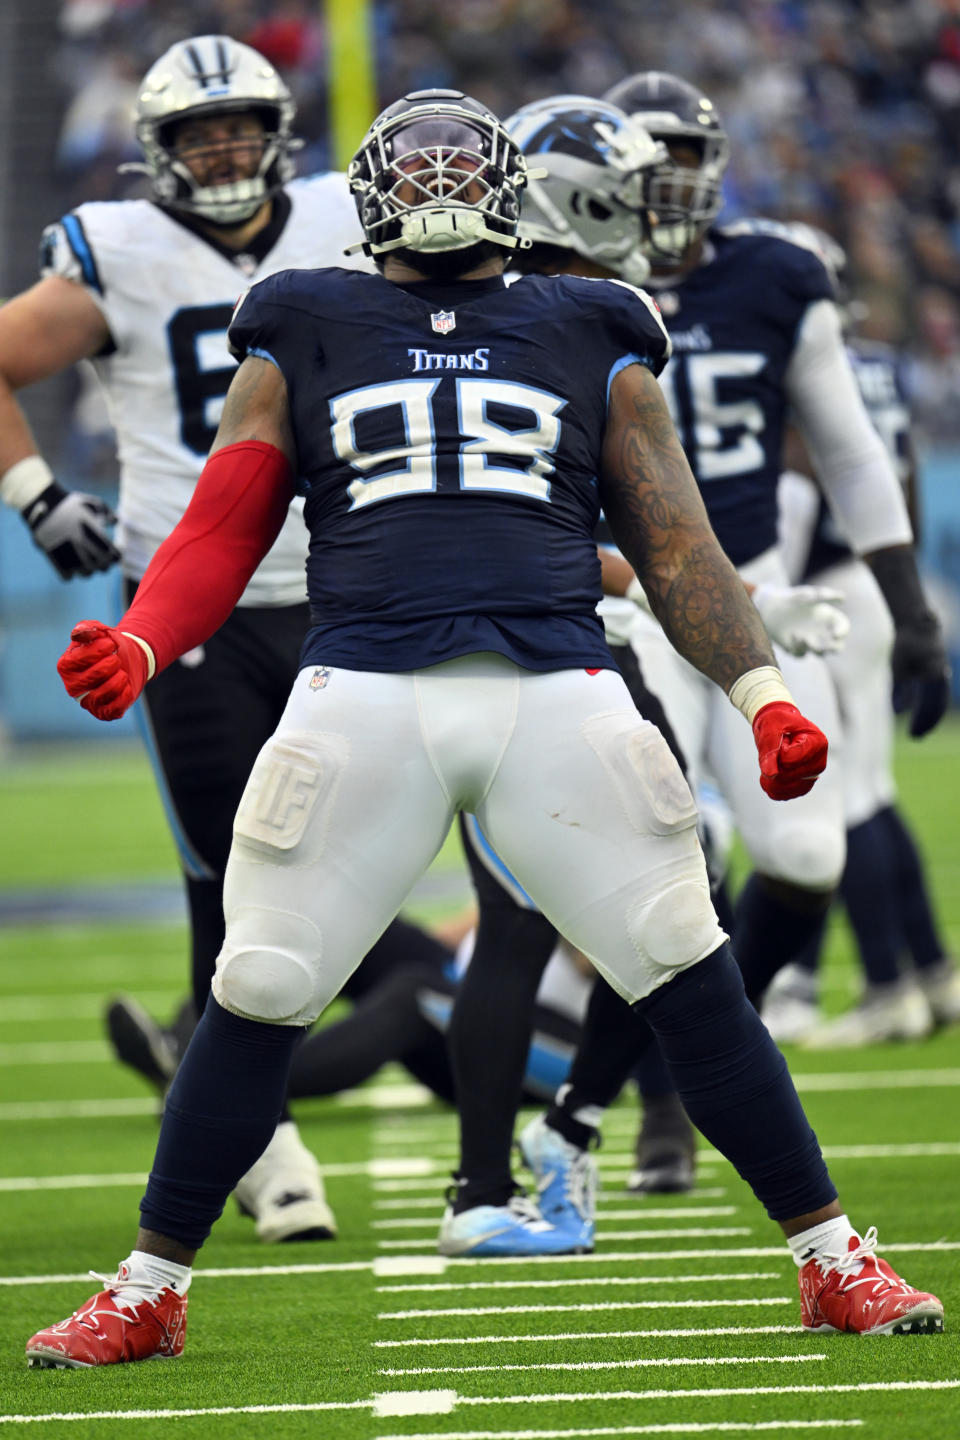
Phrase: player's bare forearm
{"type": "Point", "coordinates": [654, 508]}
{"type": "Point", "coordinates": [256, 408]}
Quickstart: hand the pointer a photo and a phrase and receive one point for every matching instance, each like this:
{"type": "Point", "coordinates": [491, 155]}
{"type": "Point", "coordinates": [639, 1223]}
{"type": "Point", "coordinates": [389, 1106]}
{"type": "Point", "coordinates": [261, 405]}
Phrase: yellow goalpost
{"type": "Point", "coordinates": [352, 82]}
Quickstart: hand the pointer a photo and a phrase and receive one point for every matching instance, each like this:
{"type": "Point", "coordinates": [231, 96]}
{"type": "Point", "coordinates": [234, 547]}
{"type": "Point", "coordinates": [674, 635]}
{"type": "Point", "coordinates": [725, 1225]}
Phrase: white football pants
{"type": "Point", "coordinates": [800, 841]}
{"type": "Point", "coordinates": [864, 684]}
{"type": "Point", "coordinates": [352, 797]}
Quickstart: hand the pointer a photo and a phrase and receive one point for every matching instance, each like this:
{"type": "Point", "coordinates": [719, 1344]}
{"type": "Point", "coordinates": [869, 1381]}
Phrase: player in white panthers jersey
{"type": "Point", "coordinates": [145, 289]}
{"type": "Point", "coordinates": [166, 292]}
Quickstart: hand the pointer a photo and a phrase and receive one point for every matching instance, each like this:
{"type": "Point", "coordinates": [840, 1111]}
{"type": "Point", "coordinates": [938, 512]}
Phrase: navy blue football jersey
{"type": "Point", "coordinates": [879, 373]}
{"type": "Point", "coordinates": [448, 441]}
{"type": "Point", "coordinates": [733, 323]}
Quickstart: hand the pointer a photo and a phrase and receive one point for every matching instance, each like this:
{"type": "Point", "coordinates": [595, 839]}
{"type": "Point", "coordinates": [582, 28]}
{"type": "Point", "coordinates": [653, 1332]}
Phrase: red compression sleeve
{"type": "Point", "coordinates": [203, 567]}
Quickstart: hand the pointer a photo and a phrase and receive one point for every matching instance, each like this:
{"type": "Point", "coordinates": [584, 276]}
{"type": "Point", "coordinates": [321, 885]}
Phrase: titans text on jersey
{"type": "Point", "coordinates": [450, 506]}
{"type": "Point", "coordinates": [734, 323]}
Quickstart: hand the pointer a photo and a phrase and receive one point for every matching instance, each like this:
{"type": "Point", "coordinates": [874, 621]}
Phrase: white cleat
{"type": "Point", "coordinates": [891, 1012]}
{"type": "Point", "coordinates": [284, 1192]}
{"type": "Point", "coordinates": [941, 985]}
{"type": "Point", "coordinates": [790, 1011]}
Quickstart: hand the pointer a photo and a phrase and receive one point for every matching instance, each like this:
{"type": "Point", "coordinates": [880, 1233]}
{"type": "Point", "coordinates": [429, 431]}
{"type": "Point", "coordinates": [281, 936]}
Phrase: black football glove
{"type": "Point", "coordinates": [70, 528]}
{"type": "Point", "coordinates": [921, 674]}
{"type": "Point", "coordinates": [921, 670]}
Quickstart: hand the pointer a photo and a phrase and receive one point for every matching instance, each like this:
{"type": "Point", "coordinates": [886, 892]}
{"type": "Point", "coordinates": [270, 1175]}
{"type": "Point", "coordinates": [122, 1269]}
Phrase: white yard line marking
{"type": "Point", "coordinates": [604, 1212]}
{"type": "Point", "coordinates": [71, 1182]}
{"type": "Point", "coordinates": [706, 1393]}
{"type": "Point", "coordinates": [185, 1414]}
{"type": "Point", "coordinates": [592, 1281]}
{"type": "Point", "coordinates": [702, 1427]}
{"type": "Point", "coordinates": [591, 1335]}
{"type": "Point", "coordinates": [82, 1005]}
{"type": "Point", "coordinates": [414, 1402]}
{"type": "Point", "coordinates": [108, 1182]}
{"type": "Point", "coordinates": [57, 1052]}
{"type": "Point", "coordinates": [424, 1222]}
{"type": "Point", "coordinates": [385, 1097]}
{"type": "Point", "coordinates": [691, 1304]}
{"type": "Point", "coordinates": [77, 1109]}
{"type": "Point", "coordinates": [661, 1362]}
{"type": "Point", "coordinates": [234, 1272]}
{"type": "Point", "coordinates": [692, 1232]}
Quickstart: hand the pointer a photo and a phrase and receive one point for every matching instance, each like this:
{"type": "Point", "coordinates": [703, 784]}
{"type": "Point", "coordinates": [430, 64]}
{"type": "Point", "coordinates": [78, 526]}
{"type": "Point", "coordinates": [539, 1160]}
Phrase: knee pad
{"type": "Point", "coordinates": [810, 855]}
{"type": "Point", "coordinates": [269, 968]}
{"type": "Point", "coordinates": [676, 928]}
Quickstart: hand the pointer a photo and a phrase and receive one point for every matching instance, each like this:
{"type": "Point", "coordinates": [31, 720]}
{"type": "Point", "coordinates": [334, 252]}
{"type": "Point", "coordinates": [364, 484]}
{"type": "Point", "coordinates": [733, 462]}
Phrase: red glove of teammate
{"type": "Point", "coordinates": [793, 752]}
{"type": "Point", "coordinates": [103, 669]}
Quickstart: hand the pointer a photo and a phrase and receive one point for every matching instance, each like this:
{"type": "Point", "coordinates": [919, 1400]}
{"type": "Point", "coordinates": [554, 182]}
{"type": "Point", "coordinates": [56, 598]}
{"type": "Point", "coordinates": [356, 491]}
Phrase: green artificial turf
{"type": "Point", "coordinates": [318, 1339]}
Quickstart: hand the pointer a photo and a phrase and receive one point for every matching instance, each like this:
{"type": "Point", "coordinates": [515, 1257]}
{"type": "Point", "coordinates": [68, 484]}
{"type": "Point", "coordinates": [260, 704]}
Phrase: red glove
{"type": "Point", "coordinates": [793, 752]}
{"type": "Point", "coordinates": [103, 669]}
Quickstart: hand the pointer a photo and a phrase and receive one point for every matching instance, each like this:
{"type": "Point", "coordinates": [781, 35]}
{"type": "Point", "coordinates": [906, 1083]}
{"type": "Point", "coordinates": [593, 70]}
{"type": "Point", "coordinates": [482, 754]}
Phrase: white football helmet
{"type": "Point", "coordinates": [594, 197]}
{"type": "Point", "coordinates": [206, 75]}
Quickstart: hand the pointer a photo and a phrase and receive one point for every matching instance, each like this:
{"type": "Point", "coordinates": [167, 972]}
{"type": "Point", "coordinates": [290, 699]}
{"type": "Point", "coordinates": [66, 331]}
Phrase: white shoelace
{"type": "Point", "coordinates": [852, 1266]}
{"type": "Point", "coordinates": [128, 1294]}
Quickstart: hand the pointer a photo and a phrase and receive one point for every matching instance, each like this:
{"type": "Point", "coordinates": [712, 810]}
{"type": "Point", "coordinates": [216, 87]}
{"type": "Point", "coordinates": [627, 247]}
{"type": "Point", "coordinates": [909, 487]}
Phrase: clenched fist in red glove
{"type": "Point", "coordinates": [793, 752]}
{"type": "Point", "coordinates": [104, 669]}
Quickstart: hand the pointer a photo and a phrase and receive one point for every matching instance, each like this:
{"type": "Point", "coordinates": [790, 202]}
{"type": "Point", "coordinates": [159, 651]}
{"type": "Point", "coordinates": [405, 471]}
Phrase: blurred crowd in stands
{"type": "Point", "coordinates": [842, 113]}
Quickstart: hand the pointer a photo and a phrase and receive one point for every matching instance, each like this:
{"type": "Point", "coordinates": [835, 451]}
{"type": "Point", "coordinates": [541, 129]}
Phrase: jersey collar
{"type": "Point", "coordinates": [259, 247]}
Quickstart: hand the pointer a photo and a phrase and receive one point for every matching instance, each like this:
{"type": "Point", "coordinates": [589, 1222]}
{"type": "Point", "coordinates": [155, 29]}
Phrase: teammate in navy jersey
{"type": "Point", "coordinates": [491, 693]}
{"type": "Point", "coordinates": [912, 984]}
{"type": "Point", "coordinates": [144, 289]}
{"type": "Point", "coordinates": [586, 215]}
{"type": "Point", "coordinates": [756, 336]}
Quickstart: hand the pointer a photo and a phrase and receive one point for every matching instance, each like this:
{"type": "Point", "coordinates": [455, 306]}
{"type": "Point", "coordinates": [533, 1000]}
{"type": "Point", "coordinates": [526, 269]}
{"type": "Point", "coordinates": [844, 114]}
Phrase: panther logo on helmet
{"type": "Point", "coordinates": [596, 165]}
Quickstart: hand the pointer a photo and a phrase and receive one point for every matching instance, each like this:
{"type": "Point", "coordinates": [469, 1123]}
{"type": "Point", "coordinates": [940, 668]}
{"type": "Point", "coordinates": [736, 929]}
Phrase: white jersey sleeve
{"type": "Point", "coordinates": [168, 294]}
{"type": "Point", "coordinates": [851, 461]}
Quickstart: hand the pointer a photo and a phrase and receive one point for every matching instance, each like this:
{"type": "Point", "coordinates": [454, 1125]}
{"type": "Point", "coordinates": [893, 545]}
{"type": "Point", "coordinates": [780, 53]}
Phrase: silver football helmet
{"type": "Point", "coordinates": [437, 173]}
{"type": "Point", "coordinates": [594, 197]}
{"type": "Point", "coordinates": [208, 75]}
{"type": "Point", "coordinates": [685, 198]}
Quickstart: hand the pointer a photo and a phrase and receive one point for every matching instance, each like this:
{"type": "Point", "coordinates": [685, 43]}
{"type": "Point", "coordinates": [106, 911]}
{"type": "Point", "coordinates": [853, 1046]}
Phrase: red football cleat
{"type": "Point", "coordinates": [860, 1293]}
{"type": "Point", "coordinates": [112, 1328]}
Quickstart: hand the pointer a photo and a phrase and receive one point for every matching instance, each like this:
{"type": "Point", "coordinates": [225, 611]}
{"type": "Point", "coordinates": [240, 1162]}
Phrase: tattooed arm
{"type": "Point", "coordinates": [657, 517]}
{"type": "Point", "coordinates": [256, 408]}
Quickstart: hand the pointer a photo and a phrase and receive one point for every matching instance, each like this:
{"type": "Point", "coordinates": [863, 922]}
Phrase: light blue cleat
{"type": "Point", "coordinates": [517, 1228]}
{"type": "Point", "coordinates": [566, 1179]}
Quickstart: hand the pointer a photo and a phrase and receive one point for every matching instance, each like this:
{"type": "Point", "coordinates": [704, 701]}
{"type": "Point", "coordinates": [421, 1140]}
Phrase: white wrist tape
{"type": "Point", "coordinates": [151, 658]}
{"type": "Point", "coordinates": [23, 482]}
{"type": "Point", "coordinates": [763, 686]}
{"type": "Point", "coordinates": [638, 595]}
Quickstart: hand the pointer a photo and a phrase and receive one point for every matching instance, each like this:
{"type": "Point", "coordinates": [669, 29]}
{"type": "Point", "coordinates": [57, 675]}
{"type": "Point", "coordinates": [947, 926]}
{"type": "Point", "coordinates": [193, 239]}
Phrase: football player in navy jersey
{"type": "Point", "coordinates": [912, 984]}
{"type": "Point", "coordinates": [455, 662]}
{"type": "Point", "coordinates": [144, 289]}
{"type": "Point", "coordinates": [586, 215]}
{"type": "Point", "coordinates": [756, 335]}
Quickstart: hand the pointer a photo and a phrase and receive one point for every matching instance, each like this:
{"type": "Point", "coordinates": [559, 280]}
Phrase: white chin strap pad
{"type": "Point", "coordinates": [442, 229]}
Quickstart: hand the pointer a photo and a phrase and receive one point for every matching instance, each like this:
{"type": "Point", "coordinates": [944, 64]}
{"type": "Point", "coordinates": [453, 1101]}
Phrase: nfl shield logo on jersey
{"type": "Point", "coordinates": [444, 321]}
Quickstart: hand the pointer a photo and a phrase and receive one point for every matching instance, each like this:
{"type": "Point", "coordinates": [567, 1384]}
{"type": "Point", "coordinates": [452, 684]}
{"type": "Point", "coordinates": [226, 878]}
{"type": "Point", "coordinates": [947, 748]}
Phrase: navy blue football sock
{"type": "Point", "coordinates": [870, 892]}
{"type": "Point", "coordinates": [220, 1113]}
{"type": "Point", "coordinates": [771, 930]}
{"type": "Point", "coordinates": [916, 911]}
{"type": "Point", "coordinates": [735, 1085]}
